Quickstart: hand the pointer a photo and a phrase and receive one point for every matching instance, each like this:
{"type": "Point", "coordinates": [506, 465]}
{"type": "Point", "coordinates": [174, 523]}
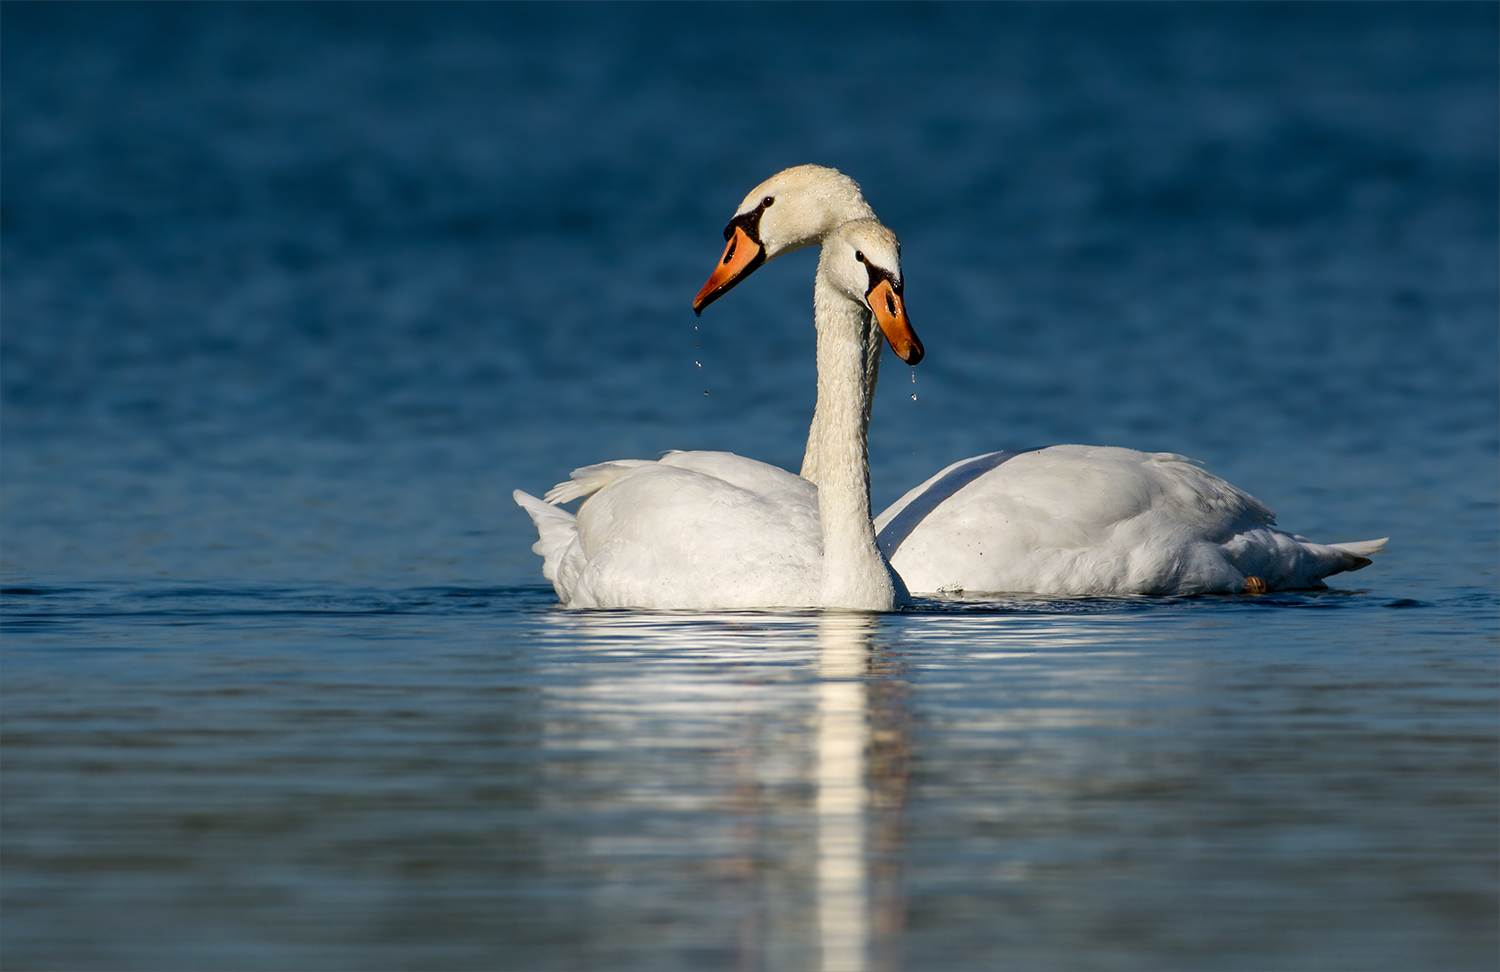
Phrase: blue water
{"type": "Point", "coordinates": [293, 296]}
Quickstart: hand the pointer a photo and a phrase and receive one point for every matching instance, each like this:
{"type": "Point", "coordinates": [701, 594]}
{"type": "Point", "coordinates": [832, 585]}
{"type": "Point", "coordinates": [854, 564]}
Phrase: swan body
{"type": "Point", "coordinates": [1069, 519]}
{"type": "Point", "coordinates": [1088, 520]}
{"type": "Point", "coordinates": [712, 530]}
{"type": "Point", "coordinates": [692, 530]}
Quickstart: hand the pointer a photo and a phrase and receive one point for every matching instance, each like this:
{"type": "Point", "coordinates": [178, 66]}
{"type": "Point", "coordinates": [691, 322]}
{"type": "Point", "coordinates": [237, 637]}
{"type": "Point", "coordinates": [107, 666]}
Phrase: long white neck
{"type": "Point", "coordinates": [811, 458]}
{"type": "Point", "coordinates": [854, 574]}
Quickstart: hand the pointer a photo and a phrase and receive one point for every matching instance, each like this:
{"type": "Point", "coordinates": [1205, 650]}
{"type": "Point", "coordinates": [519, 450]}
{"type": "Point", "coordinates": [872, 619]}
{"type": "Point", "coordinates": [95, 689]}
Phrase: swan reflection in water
{"type": "Point", "coordinates": [843, 738]}
{"type": "Point", "coordinates": [751, 766]}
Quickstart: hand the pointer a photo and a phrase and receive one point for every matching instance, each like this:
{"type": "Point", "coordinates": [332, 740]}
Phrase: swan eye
{"type": "Point", "coordinates": [768, 201]}
{"type": "Point", "coordinates": [859, 255]}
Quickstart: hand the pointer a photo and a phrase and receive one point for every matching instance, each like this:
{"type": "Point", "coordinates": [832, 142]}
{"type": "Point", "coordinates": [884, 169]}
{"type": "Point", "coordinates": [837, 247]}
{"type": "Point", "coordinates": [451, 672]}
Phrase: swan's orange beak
{"type": "Point", "coordinates": [890, 313]}
{"type": "Point", "coordinates": [741, 256]}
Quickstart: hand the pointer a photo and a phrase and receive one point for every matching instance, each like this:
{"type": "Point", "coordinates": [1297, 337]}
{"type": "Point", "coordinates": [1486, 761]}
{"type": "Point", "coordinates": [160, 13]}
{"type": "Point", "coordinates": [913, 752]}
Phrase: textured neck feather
{"type": "Point", "coordinates": [810, 456]}
{"type": "Point", "coordinates": [854, 574]}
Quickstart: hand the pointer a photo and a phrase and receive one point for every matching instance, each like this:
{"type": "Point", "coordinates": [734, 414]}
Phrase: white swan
{"type": "Point", "coordinates": [712, 530]}
{"type": "Point", "coordinates": [1068, 519]}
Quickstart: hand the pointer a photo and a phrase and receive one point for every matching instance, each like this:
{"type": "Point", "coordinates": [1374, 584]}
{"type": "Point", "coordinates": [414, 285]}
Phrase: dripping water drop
{"type": "Point", "coordinates": [914, 381]}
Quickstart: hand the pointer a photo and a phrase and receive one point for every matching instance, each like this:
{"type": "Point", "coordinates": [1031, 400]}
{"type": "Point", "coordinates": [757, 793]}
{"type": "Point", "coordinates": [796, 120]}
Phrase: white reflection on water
{"type": "Point", "coordinates": [782, 734]}
{"type": "Point", "coordinates": [756, 766]}
{"type": "Point", "coordinates": [736, 790]}
{"type": "Point", "coordinates": [842, 738]}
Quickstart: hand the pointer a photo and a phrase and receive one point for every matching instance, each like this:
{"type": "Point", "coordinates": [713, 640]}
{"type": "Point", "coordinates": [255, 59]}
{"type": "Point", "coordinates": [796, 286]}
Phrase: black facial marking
{"type": "Point", "coordinates": [749, 222]}
{"type": "Point", "coordinates": [876, 275]}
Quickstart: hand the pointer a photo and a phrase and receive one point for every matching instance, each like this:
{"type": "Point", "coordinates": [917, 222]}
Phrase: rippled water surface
{"type": "Point", "coordinates": [294, 296]}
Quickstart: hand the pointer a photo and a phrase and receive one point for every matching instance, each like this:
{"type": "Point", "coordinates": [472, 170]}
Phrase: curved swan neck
{"type": "Point", "coordinates": [854, 574]}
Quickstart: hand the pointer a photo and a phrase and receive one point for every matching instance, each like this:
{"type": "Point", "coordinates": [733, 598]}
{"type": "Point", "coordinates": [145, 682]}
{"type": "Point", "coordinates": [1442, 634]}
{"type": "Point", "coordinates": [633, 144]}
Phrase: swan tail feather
{"type": "Point", "coordinates": [588, 480]}
{"type": "Point", "coordinates": [1354, 555]}
{"type": "Point", "coordinates": [557, 543]}
{"type": "Point", "coordinates": [1363, 549]}
{"type": "Point", "coordinates": [1286, 561]}
{"type": "Point", "coordinates": [1339, 558]}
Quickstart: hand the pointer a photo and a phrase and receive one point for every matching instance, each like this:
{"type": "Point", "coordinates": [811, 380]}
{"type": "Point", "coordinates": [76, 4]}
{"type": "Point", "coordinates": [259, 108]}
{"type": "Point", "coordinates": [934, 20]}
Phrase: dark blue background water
{"type": "Point", "coordinates": [295, 295]}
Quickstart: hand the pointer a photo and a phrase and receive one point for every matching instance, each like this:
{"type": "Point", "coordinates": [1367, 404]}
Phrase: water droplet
{"type": "Point", "coordinates": [699, 364]}
{"type": "Point", "coordinates": [705, 393]}
{"type": "Point", "coordinates": [914, 381]}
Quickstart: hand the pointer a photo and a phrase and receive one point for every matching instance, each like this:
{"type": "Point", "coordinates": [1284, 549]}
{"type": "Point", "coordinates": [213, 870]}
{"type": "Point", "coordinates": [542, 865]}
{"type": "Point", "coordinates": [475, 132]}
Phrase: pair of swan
{"type": "Point", "coordinates": [709, 530]}
{"type": "Point", "coordinates": [701, 530]}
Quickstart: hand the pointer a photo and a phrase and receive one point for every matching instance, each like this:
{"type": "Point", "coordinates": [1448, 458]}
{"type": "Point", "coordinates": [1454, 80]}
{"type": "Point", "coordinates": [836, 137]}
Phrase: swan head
{"type": "Point", "coordinates": [862, 258]}
{"type": "Point", "coordinates": [794, 208]}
